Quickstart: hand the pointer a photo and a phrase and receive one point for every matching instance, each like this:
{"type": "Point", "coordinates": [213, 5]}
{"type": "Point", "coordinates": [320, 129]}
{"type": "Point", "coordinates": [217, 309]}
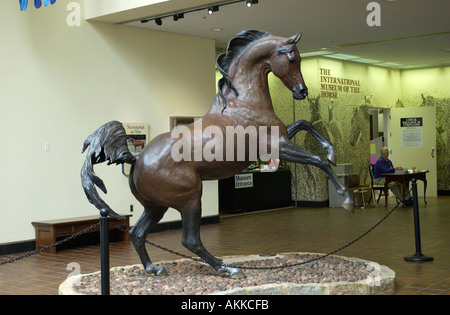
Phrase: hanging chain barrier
{"type": "Point", "coordinates": [43, 249]}
{"type": "Point", "coordinates": [266, 268]}
{"type": "Point", "coordinates": [87, 230]}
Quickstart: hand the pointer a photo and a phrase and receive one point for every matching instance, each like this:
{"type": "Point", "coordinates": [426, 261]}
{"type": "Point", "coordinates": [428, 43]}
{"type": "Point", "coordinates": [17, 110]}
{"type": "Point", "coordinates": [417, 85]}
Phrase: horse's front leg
{"type": "Point", "coordinates": [300, 125]}
{"type": "Point", "coordinates": [292, 153]}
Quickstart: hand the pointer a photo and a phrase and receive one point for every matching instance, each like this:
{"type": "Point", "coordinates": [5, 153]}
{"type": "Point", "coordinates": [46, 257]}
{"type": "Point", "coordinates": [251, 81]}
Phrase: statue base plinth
{"type": "Point", "coordinates": [333, 275]}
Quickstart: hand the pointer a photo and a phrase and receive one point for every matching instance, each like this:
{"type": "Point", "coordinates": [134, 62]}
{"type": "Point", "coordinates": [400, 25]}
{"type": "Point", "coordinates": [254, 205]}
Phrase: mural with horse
{"type": "Point", "coordinates": [159, 181]}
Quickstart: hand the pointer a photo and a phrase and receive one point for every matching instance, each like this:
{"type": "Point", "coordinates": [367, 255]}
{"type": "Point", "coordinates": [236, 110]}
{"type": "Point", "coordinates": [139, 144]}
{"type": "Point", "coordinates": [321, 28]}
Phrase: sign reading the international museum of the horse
{"type": "Point", "coordinates": [411, 131]}
{"type": "Point", "coordinates": [330, 85]}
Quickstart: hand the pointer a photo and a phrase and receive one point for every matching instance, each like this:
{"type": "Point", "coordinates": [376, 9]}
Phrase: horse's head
{"type": "Point", "coordinates": [285, 64]}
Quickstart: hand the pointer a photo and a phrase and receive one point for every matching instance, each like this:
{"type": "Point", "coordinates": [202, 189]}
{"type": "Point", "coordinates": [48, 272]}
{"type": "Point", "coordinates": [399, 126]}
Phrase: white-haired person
{"type": "Point", "coordinates": [383, 166]}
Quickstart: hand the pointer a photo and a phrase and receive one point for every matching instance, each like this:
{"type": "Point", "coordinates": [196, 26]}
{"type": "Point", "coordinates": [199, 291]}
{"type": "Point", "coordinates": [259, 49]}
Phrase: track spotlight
{"type": "Point", "coordinates": [251, 2]}
{"type": "Point", "coordinates": [178, 16]}
{"type": "Point", "coordinates": [213, 9]}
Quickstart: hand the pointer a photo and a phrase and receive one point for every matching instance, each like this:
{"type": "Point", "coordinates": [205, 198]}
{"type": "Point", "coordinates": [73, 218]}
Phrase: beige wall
{"type": "Point", "coordinates": [59, 83]}
{"type": "Point", "coordinates": [427, 82]}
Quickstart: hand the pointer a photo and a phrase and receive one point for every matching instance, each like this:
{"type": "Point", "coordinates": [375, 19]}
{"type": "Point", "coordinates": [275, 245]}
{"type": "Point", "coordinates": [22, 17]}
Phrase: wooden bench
{"type": "Point", "coordinates": [48, 231]}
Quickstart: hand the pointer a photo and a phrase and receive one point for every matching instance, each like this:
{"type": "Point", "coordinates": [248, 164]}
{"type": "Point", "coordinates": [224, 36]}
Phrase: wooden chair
{"type": "Point", "coordinates": [353, 183]}
{"type": "Point", "coordinates": [380, 188]}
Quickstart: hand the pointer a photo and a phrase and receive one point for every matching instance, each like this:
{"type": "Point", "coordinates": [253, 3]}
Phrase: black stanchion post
{"type": "Point", "coordinates": [104, 245]}
{"type": "Point", "coordinates": [418, 256]}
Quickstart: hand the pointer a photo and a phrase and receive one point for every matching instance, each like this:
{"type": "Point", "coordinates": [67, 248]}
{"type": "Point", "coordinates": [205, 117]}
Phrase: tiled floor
{"type": "Point", "coordinates": [295, 229]}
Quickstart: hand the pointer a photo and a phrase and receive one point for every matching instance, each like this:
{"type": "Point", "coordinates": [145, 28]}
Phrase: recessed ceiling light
{"type": "Point", "coordinates": [217, 29]}
{"type": "Point", "coordinates": [388, 64]}
{"type": "Point", "coordinates": [343, 56]}
{"type": "Point", "coordinates": [316, 53]}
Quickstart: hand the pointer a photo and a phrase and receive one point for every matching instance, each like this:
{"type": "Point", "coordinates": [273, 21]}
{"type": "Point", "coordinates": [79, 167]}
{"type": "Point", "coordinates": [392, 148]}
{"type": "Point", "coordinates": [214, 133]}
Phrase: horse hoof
{"type": "Point", "coordinates": [235, 273]}
{"type": "Point", "coordinates": [162, 272]}
{"type": "Point", "coordinates": [348, 206]}
{"type": "Point", "coordinates": [331, 158]}
{"type": "Point", "coordinates": [348, 201]}
{"type": "Point", "coordinates": [238, 275]}
{"type": "Point", "coordinates": [158, 271]}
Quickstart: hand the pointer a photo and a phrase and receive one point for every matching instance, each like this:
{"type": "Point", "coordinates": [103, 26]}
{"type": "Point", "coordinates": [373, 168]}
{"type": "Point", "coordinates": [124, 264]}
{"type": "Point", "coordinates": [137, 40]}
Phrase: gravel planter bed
{"type": "Point", "coordinates": [188, 277]}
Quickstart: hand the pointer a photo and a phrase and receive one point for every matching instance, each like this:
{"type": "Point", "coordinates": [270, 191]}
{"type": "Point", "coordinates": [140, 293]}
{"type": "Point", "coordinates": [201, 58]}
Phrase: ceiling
{"type": "Point", "coordinates": [413, 33]}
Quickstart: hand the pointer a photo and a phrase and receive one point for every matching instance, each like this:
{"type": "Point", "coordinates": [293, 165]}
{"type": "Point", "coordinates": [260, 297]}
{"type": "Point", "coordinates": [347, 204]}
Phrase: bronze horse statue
{"type": "Point", "coordinates": [159, 181]}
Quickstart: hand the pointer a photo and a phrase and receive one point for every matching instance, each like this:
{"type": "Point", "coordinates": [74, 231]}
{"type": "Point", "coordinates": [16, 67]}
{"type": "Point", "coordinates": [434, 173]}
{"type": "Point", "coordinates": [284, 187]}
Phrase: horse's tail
{"type": "Point", "coordinates": [108, 142]}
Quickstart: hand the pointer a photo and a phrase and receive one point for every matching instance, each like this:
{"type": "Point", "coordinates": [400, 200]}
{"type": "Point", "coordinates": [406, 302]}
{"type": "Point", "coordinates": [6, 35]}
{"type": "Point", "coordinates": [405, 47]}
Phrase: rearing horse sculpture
{"type": "Point", "coordinates": [160, 182]}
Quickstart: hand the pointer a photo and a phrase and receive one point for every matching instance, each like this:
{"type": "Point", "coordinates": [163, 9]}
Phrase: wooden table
{"type": "Point", "coordinates": [48, 231]}
{"type": "Point", "coordinates": [404, 177]}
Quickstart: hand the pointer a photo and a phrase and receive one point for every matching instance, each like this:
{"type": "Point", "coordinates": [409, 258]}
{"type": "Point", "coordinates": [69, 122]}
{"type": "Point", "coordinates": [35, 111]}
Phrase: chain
{"type": "Point", "coordinates": [156, 245]}
{"type": "Point", "coordinates": [43, 249]}
{"type": "Point", "coordinates": [193, 258]}
{"type": "Point", "coordinates": [263, 268]}
{"type": "Point", "coordinates": [326, 255]}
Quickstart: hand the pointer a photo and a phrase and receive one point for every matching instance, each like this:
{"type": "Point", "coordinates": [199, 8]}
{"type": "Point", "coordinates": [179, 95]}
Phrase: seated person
{"type": "Point", "coordinates": [384, 165]}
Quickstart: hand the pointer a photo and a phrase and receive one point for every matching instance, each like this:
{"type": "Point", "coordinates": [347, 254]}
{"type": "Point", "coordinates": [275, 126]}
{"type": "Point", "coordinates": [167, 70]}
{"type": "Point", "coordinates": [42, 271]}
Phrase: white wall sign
{"type": "Point", "coordinates": [412, 133]}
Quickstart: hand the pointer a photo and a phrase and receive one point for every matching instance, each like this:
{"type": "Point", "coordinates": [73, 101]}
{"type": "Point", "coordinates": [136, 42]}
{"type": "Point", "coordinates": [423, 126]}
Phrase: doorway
{"type": "Point", "coordinates": [408, 145]}
{"type": "Point", "coordinates": [378, 129]}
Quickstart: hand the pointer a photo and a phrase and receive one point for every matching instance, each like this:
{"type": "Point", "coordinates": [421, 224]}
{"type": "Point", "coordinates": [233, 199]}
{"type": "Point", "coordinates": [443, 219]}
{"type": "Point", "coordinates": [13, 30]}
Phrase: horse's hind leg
{"type": "Point", "coordinates": [149, 218]}
{"type": "Point", "coordinates": [306, 125]}
{"type": "Point", "coordinates": [292, 153]}
{"type": "Point", "coordinates": [191, 216]}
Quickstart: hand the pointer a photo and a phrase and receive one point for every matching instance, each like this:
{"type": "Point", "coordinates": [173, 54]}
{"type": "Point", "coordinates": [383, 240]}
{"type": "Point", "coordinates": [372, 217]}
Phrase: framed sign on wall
{"type": "Point", "coordinates": [137, 138]}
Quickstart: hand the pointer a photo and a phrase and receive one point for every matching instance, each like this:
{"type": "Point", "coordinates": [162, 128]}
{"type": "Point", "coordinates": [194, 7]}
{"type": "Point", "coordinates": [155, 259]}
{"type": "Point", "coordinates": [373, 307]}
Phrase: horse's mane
{"type": "Point", "coordinates": [235, 47]}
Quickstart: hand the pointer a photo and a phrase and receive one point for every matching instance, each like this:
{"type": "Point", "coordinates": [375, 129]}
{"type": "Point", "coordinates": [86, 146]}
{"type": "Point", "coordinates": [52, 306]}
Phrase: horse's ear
{"type": "Point", "coordinates": [294, 39]}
